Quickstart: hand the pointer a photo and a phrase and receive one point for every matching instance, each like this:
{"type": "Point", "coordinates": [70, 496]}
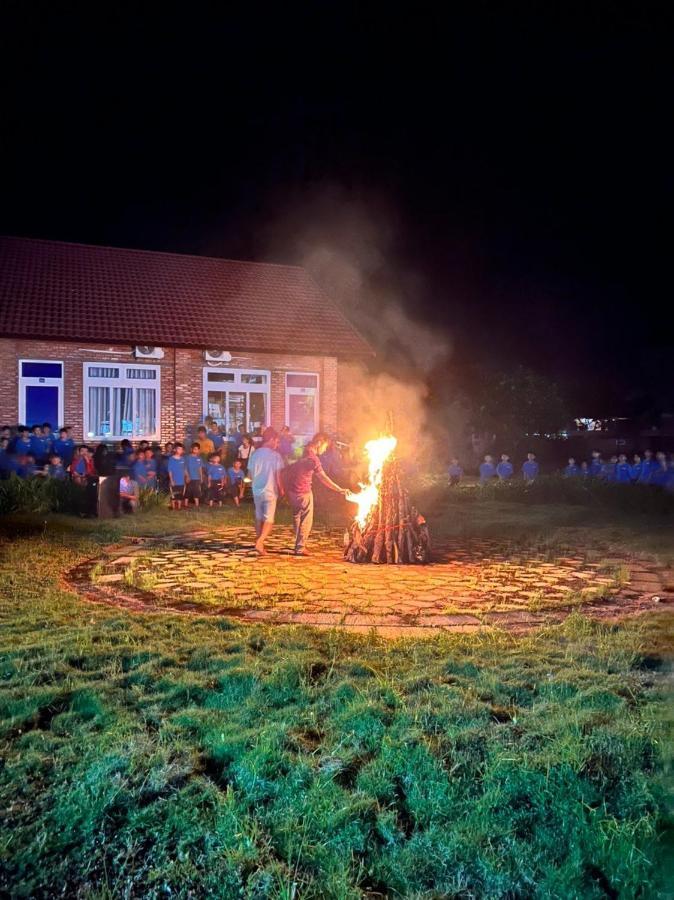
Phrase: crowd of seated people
{"type": "Point", "coordinates": [647, 468]}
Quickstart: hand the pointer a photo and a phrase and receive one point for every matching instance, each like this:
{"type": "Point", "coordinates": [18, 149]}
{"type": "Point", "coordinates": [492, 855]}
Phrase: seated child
{"type": "Point", "coordinates": [235, 475]}
{"type": "Point", "coordinates": [455, 472]}
{"type": "Point", "coordinates": [487, 470]}
{"type": "Point", "coordinates": [128, 493]}
{"type": "Point", "coordinates": [56, 469]}
{"type": "Point", "coordinates": [194, 466]}
{"type": "Point", "coordinates": [81, 467]}
{"type": "Point", "coordinates": [504, 469]}
{"type": "Point", "coordinates": [216, 479]}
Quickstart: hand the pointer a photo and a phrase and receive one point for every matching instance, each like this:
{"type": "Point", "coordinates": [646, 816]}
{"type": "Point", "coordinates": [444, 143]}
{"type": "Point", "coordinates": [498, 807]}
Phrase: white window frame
{"type": "Point", "coordinates": [238, 386]}
{"type": "Point", "coordinates": [293, 391]}
{"type": "Point", "coordinates": [38, 381]}
{"type": "Point", "coordinates": [120, 382]}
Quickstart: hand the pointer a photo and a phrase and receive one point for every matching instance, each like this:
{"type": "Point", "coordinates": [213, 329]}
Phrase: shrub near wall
{"type": "Point", "coordinates": [39, 495]}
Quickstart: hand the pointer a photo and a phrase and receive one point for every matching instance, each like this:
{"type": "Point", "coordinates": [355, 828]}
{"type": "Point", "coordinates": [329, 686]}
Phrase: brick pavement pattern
{"type": "Point", "coordinates": [471, 583]}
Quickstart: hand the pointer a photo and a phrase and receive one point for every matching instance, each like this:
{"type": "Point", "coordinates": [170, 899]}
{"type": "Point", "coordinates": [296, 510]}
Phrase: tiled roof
{"type": "Point", "coordinates": [58, 291]}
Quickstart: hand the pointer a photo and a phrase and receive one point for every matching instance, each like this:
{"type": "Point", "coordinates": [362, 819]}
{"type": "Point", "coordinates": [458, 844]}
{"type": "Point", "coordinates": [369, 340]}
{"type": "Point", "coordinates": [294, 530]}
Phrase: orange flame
{"type": "Point", "coordinates": [377, 452]}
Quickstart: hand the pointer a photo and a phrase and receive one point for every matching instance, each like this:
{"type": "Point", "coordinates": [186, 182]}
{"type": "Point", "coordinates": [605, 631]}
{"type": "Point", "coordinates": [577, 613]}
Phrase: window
{"type": "Point", "coordinates": [40, 392]}
{"type": "Point", "coordinates": [302, 403]}
{"type": "Point", "coordinates": [117, 405]}
{"type": "Point", "coordinates": [235, 397]}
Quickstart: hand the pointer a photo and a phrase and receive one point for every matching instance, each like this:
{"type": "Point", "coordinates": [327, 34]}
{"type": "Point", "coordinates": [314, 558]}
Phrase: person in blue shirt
{"type": "Point", "coordinates": [455, 472]}
{"type": "Point", "coordinates": [150, 469]}
{"type": "Point", "coordinates": [162, 467]}
{"type": "Point", "coordinates": [177, 477]}
{"type": "Point", "coordinates": [669, 478]}
{"type": "Point", "coordinates": [286, 442]}
{"type": "Point", "coordinates": [487, 470]}
{"type": "Point", "coordinates": [36, 443]}
{"type": "Point", "coordinates": [195, 467]}
{"type": "Point", "coordinates": [608, 469]}
{"type": "Point", "coordinates": [659, 474]}
{"type": "Point", "coordinates": [530, 468]}
{"type": "Point", "coordinates": [635, 468]}
{"type": "Point", "coordinates": [237, 485]}
{"type": "Point", "coordinates": [504, 469]}
{"type": "Point", "coordinates": [596, 464]}
{"type": "Point", "coordinates": [216, 479]}
{"type": "Point", "coordinates": [56, 469]}
{"type": "Point", "coordinates": [64, 446]}
{"type": "Point", "coordinates": [623, 470]}
{"type": "Point", "coordinates": [571, 470]}
{"type": "Point", "coordinates": [20, 443]}
{"type": "Point", "coordinates": [648, 467]}
{"type": "Point", "coordinates": [584, 470]}
{"type": "Point", "coordinates": [48, 437]}
{"type": "Point", "coordinates": [139, 469]}
{"type": "Point", "coordinates": [239, 435]}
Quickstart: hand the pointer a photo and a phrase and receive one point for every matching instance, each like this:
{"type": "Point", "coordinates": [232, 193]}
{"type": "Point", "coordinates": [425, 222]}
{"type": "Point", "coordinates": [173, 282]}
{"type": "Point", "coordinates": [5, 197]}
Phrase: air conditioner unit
{"type": "Point", "coordinates": [148, 352]}
{"type": "Point", "coordinates": [223, 356]}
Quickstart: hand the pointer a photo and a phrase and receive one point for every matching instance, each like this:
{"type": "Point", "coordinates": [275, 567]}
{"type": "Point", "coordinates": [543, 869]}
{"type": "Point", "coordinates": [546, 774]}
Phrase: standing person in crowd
{"type": "Point", "coordinates": [20, 443]}
{"type": "Point", "coordinates": [257, 438]}
{"type": "Point", "coordinates": [623, 470]}
{"type": "Point", "coordinates": [64, 445]}
{"type": "Point", "coordinates": [235, 480]}
{"type": "Point", "coordinates": [36, 448]}
{"type": "Point", "coordinates": [455, 472]}
{"type": "Point", "coordinates": [635, 468]}
{"type": "Point", "coordinates": [264, 470]}
{"type": "Point", "coordinates": [571, 470]}
{"type": "Point", "coordinates": [648, 466]}
{"type": "Point", "coordinates": [286, 441]}
{"type": "Point", "coordinates": [139, 469]}
{"type": "Point", "coordinates": [659, 474]}
{"type": "Point", "coordinates": [129, 493]}
{"type": "Point", "coordinates": [245, 451]}
{"type": "Point", "coordinates": [126, 456]}
{"type": "Point", "coordinates": [530, 468]}
{"type": "Point", "coordinates": [239, 435]}
{"type": "Point", "coordinates": [596, 464]}
{"type": "Point", "coordinates": [504, 469]}
{"type": "Point", "coordinates": [487, 469]}
{"type": "Point", "coordinates": [162, 467]}
{"type": "Point", "coordinates": [177, 476]}
{"type": "Point", "coordinates": [298, 480]}
{"type": "Point", "coordinates": [584, 470]}
{"type": "Point", "coordinates": [48, 438]}
{"type": "Point", "coordinates": [216, 479]}
{"type": "Point", "coordinates": [206, 445]}
{"type": "Point", "coordinates": [608, 469]}
{"type": "Point", "coordinates": [194, 466]}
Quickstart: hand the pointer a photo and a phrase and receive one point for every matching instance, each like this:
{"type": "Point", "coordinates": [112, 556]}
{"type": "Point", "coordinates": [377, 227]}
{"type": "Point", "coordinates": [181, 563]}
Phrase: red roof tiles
{"type": "Point", "coordinates": [59, 291]}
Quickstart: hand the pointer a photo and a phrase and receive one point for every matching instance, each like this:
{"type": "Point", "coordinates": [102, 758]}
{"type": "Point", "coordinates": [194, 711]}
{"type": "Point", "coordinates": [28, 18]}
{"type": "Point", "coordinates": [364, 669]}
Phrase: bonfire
{"type": "Point", "coordinates": [386, 528]}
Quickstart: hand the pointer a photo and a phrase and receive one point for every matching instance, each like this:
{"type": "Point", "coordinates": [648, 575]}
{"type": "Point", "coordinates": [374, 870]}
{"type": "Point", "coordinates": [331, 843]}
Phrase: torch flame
{"type": "Point", "coordinates": [377, 452]}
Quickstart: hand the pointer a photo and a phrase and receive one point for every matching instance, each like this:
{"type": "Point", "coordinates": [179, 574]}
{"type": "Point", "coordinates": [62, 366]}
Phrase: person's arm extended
{"type": "Point", "coordinates": [319, 472]}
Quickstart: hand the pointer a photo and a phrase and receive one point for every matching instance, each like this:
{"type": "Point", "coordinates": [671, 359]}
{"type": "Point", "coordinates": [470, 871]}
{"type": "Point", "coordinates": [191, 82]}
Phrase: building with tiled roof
{"type": "Point", "coordinates": [130, 343]}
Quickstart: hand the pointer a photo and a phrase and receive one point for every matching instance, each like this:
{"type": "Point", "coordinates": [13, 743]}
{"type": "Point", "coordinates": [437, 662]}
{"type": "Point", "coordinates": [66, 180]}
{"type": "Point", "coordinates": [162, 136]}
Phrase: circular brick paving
{"type": "Point", "coordinates": [469, 585]}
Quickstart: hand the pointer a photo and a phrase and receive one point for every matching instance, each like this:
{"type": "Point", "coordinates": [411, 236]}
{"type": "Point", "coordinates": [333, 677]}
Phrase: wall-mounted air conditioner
{"type": "Point", "coordinates": [219, 356]}
{"type": "Point", "coordinates": [148, 352]}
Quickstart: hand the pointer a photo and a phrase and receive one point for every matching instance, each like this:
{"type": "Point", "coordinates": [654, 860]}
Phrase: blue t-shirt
{"type": "Point", "coordinates": [194, 465]}
{"type": "Point", "coordinates": [623, 473]}
{"type": "Point", "coordinates": [596, 466]}
{"type": "Point", "coordinates": [487, 471]}
{"type": "Point", "coordinates": [216, 437]}
{"type": "Point", "coordinates": [648, 467]}
{"type": "Point", "coordinates": [139, 470]}
{"type": "Point", "coordinates": [504, 470]}
{"type": "Point", "coordinates": [216, 472]}
{"type": "Point", "coordinates": [659, 475]}
{"type": "Point", "coordinates": [571, 471]}
{"type": "Point", "coordinates": [635, 471]}
{"type": "Point", "coordinates": [57, 472]}
{"type": "Point", "coordinates": [176, 470]}
{"type": "Point", "coordinates": [65, 449]}
{"type": "Point", "coordinates": [608, 471]}
{"type": "Point", "coordinates": [530, 469]}
{"type": "Point", "coordinates": [20, 446]}
{"type": "Point", "coordinates": [455, 471]}
{"type": "Point", "coordinates": [235, 475]}
{"type": "Point", "coordinates": [80, 467]}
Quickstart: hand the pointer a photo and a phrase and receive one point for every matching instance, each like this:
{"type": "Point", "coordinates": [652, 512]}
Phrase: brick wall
{"type": "Point", "coordinates": [181, 381]}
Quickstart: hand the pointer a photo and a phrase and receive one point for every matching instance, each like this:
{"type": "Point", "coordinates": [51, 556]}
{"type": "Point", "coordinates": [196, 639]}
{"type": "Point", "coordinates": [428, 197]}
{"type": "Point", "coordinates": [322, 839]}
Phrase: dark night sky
{"type": "Point", "coordinates": [519, 156]}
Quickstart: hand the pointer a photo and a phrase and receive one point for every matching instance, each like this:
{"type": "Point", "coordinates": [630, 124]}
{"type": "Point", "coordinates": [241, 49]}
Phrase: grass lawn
{"type": "Point", "coordinates": [168, 756]}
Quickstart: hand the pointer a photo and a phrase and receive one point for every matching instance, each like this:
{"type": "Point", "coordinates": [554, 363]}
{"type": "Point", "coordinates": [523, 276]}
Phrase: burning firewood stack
{"type": "Point", "coordinates": [387, 527]}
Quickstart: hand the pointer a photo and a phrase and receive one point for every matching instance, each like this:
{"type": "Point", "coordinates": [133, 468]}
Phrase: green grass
{"type": "Point", "coordinates": [169, 756]}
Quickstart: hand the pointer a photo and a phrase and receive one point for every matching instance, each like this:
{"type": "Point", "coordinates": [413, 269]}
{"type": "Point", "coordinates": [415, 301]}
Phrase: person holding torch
{"type": "Point", "coordinates": [298, 482]}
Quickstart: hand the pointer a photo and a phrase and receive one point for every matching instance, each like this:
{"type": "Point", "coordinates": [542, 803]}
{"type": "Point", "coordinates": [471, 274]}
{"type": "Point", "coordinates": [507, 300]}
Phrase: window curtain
{"type": "Point", "coordinates": [122, 413]}
{"type": "Point", "coordinates": [146, 411]}
{"type": "Point", "coordinates": [99, 410]}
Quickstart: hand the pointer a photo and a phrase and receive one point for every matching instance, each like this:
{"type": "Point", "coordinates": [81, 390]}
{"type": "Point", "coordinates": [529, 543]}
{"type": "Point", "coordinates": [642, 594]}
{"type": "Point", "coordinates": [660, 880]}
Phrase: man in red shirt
{"type": "Point", "coordinates": [298, 480]}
